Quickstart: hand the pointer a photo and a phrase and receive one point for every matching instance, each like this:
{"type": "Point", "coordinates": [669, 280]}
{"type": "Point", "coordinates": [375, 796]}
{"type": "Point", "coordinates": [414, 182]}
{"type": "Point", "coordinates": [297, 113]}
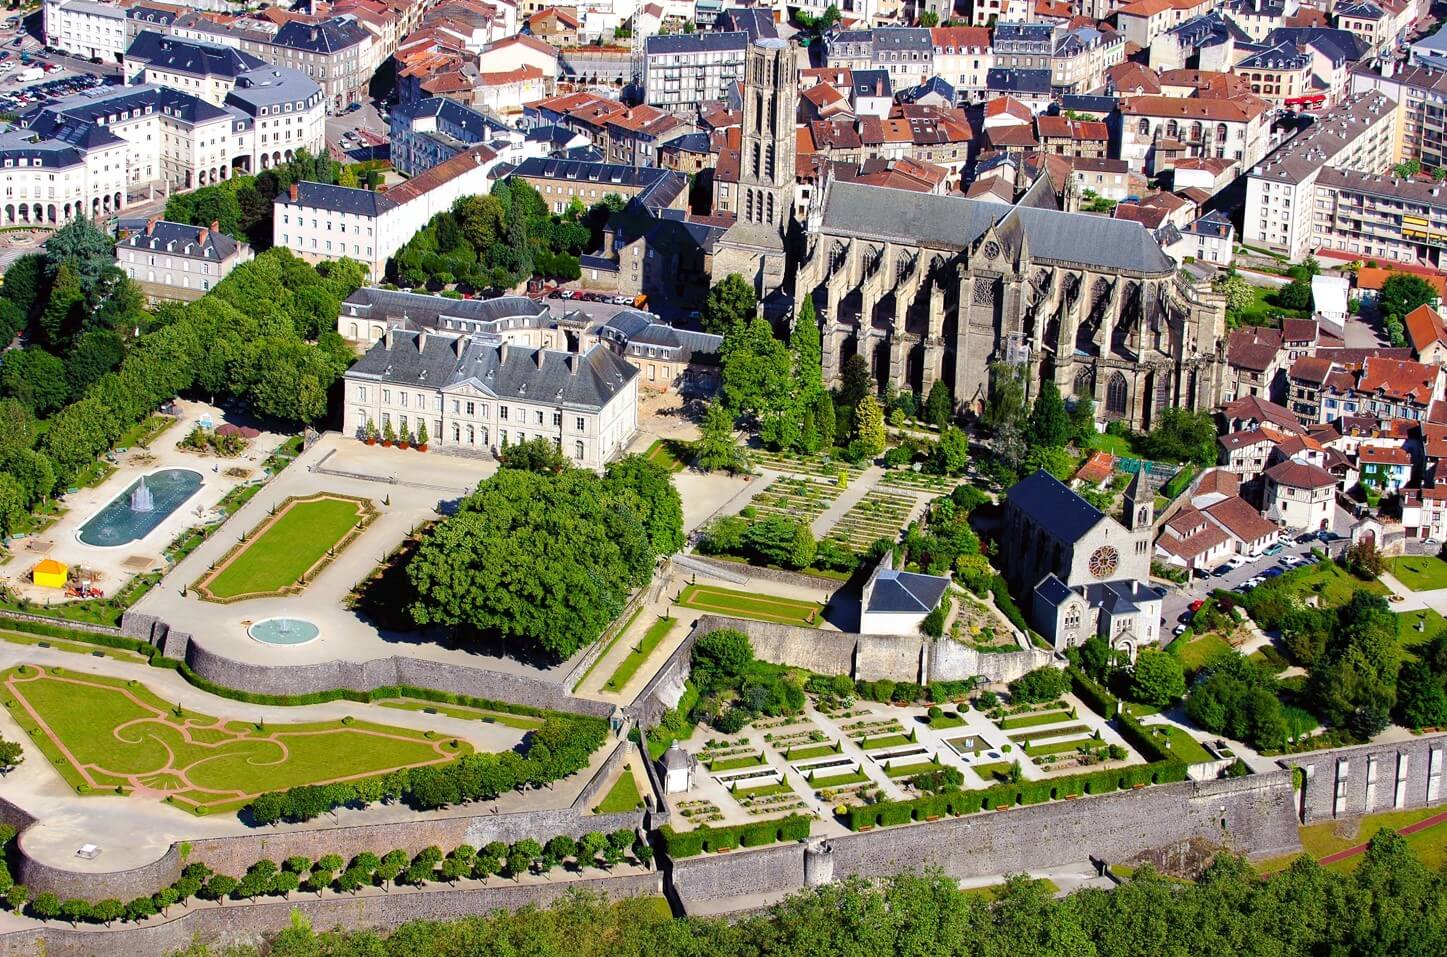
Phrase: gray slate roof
{"type": "Point", "coordinates": [415, 311]}
{"type": "Point", "coordinates": [563, 379]}
{"type": "Point", "coordinates": [1050, 503]}
{"type": "Point", "coordinates": [954, 222]}
{"type": "Point", "coordinates": [672, 43]}
{"type": "Point", "coordinates": [905, 592]}
{"type": "Point", "coordinates": [341, 199]}
{"type": "Point", "coordinates": [190, 56]}
{"type": "Point", "coordinates": [182, 239]}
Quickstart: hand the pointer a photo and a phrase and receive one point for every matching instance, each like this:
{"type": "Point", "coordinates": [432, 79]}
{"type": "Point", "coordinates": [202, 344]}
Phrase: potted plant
{"type": "Point", "coordinates": [422, 436]}
{"type": "Point", "coordinates": [404, 438]}
{"type": "Point", "coordinates": [389, 435]}
{"type": "Point", "coordinates": [369, 432]}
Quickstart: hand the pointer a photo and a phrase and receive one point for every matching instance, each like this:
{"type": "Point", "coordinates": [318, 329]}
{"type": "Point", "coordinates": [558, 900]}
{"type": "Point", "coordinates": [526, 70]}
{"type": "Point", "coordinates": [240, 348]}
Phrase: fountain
{"type": "Point", "coordinates": [141, 500]}
{"type": "Point", "coordinates": [283, 631]}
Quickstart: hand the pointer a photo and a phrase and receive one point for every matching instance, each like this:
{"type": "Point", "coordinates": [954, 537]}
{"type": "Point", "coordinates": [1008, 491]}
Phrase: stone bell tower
{"type": "Point", "coordinates": [755, 245]}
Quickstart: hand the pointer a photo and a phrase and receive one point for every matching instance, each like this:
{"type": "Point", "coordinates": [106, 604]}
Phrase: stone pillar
{"type": "Point", "coordinates": [818, 864]}
{"type": "Point", "coordinates": [934, 344]}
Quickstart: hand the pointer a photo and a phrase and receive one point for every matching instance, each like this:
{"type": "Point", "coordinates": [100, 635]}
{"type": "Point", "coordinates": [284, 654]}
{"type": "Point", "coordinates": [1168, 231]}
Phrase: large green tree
{"type": "Point", "coordinates": [34, 378]}
{"type": "Point", "coordinates": [1401, 293]}
{"type": "Point", "coordinates": [1049, 424]}
{"type": "Point", "coordinates": [716, 448]}
{"type": "Point", "coordinates": [869, 425]}
{"type": "Point", "coordinates": [1157, 678]}
{"type": "Point", "coordinates": [758, 380]}
{"type": "Point", "coordinates": [805, 344]}
{"type": "Point", "coordinates": [731, 301]}
{"type": "Point", "coordinates": [938, 408]}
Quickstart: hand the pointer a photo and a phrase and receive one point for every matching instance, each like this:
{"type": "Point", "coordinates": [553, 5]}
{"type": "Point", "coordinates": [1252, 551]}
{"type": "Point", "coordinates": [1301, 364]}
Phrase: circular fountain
{"type": "Point", "coordinates": [283, 631]}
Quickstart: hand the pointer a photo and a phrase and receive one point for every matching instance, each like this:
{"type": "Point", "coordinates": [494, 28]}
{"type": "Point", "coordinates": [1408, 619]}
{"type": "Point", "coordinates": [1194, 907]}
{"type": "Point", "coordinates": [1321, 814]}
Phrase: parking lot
{"type": "Point", "coordinates": [18, 94]}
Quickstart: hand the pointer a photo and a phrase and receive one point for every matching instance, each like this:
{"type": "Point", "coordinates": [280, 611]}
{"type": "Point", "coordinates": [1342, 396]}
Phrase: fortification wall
{"type": "Point", "coordinates": [234, 923]}
{"type": "Point", "coordinates": [1371, 778]}
{"type": "Point", "coordinates": [1253, 815]}
{"type": "Point", "coordinates": [896, 657]}
{"type": "Point", "coordinates": [951, 661]}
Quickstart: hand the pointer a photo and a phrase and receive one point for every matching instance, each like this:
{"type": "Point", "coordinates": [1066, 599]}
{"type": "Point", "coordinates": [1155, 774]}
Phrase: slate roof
{"type": "Point", "coordinates": [190, 56]}
{"type": "Point", "coordinates": [906, 592]}
{"type": "Point", "coordinates": [182, 239]}
{"type": "Point", "coordinates": [632, 327]}
{"type": "Point", "coordinates": [671, 43]}
{"type": "Point", "coordinates": [497, 368]}
{"type": "Point", "coordinates": [415, 311]}
{"type": "Point", "coordinates": [955, 222]}
{"type": "Point", "coordinates": [1053, 590]}
{"type": "Point", "coordinates": [329, 36]}
{"type": "Point", "coordinates": [1050, 503]}
{"type": "Point", "coordinates": [1018, 81]}
{"type": "Point", "coordinates": [341, 199]}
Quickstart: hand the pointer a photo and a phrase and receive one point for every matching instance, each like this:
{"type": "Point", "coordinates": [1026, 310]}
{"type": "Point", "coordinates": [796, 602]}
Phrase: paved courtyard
{"type": "Point", "coordinates": [113, 566]}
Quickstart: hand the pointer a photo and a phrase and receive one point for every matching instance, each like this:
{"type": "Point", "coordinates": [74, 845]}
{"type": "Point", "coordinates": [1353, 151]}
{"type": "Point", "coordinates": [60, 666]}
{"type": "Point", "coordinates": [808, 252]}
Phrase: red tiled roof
{"type": "Point", "coordinates": [1241, 520]}
{"type": "Point", "coordinates": [1384, 455]}
{"type": "Point", "coordinates": [1400, 379]}
{"type": "Point", "coordinates": [1253, 348]}
{"type": "Point", "coordinates": [1097, 468]}
{"type": "Point", "coordinates": [1300, 475]}
{"type": "Point", "coordinates": [1218, 482]}
{"type": "Point", "coordinates": [1256, 409]}
{"type": "Point", "coordinates": [1373, 277]}
{"type": "Point", "coordinates": [1237, 110]}
{"type": "Point", "coordinates": [1424, 328]}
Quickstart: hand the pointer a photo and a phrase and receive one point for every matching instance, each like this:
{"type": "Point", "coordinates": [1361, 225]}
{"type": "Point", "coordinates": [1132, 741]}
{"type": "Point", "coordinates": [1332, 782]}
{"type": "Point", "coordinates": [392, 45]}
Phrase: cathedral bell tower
{"type": "Point", "coordinates": [754, 246]}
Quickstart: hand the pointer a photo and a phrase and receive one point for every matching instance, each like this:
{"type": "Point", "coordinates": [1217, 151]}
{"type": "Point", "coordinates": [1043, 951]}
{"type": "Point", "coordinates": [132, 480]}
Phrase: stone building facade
{"type": "Point", "coordinates": [940, 287]}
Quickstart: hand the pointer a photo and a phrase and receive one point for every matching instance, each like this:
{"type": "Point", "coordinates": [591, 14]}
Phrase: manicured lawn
{"type": "Point", "coordinates": [839, 780]}
{"type": "Point", "coordinates": [1114, 444]}
{"type": "Point", "coordinates": [617, 637]}
{"type": "Point", "coordinates": [884, 741]}
{"type": "Point", "coordinates": [670, 453]}
{"type": "Point", "coordinates": [1407, 632]}
{"type": "Point", "coordinates": [993, 891]}
{"type": "Point", "coordinates": [997, 770]}
{"type": "Point", "coordinates": [726, 601]}
{"type": "Point", "coordinates": [1061, 747]}
{"type": "Point", "coordinates": [104, 734]}
{"type": "Point", "coordinates": [622, 797]}
{"type": "Point", "coordinates": [946, 721]}
{"type": "Point", "coordinates": [1183, 746]}
{"type": "Point", "coordinates": [1050, 732]}
{"type": "Point", "coordinates": [811, 751]}
{"type": "Point", "coordinates": [1264, 309]}
{"type": "Point", "coordinates": [732, 764]}
{"type": "Point", "coordinates": [1031, 720]}
{"type": "Point", "coordinates": [285, 548]}
{"type": "Point", "coordinates": [629, 666]}
{"type": "Point", "coordinates": [1419, 572]}
{"type": "Point", "coordinates": [1200, 651]}
{"type": "Point", "coordinates": [1331, 583]}
{"type": "Point", "coordinates": [1319, 840]}
{"type": "Point", "coordinates": [79, 648]}
{"type": "Point", "coordinates": [910, 770]}
{"type": "Point", "coordinates": [763, 791]}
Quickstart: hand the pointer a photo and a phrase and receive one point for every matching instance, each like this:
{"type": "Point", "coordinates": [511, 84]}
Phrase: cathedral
{"type": "Point", "coordinates": [930, 287]}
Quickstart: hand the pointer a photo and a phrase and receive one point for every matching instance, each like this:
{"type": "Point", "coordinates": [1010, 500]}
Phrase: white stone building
{"type": "Point", "coordinates": [86, 28]}
{"type": "Point", "coordinates": [478, 393]}
{"type": "Point", "coordinates": [176, 260]}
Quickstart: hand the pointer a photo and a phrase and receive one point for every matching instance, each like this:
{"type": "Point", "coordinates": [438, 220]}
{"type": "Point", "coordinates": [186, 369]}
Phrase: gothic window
{"type": "Point", "coordinates": [769, 161]}
{"type": "Point", "coordinates": [748, 206]}
{"type": "Point", "coordinates": [1104, 561]}
{"type": "Point", "coordinates": [757, 148]}
{"type": "Point", "coordinates": [1115, 396]}
{"type": "Point", "coordinates": [1085, 384]}
{"type": "Point", "coordinates": [984, 292]}
{"type": "Point", "coordinates": [770, 216]}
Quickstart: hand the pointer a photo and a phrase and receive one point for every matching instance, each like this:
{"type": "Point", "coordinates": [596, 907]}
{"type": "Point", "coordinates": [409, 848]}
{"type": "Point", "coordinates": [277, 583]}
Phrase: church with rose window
{"type": "Point", "coordinates": [1082, 572]}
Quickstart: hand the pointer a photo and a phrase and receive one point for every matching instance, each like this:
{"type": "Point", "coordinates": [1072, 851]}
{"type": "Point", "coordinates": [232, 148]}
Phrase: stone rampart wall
{"type": "Point", "coordinates": [1371, 778]}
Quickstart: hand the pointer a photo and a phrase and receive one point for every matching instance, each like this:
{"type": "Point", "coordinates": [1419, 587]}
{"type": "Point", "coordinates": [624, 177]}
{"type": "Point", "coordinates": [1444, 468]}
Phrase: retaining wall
{"type": "Point", "coordinates": [358, 675]}
{"type": "Point", "coordinates": [1253, 815]}
{"type": "Point", "coordinates": [1371, 778]}
{"type": "Point", "coordinates": [825, 586]}
{"type": "Point", "coordinates": [238, 923]}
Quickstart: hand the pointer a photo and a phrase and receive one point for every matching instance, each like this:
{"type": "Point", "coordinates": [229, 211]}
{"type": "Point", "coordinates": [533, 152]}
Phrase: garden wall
{"type": "Point", "coordinates": [1371, 777]}
{"type": "Point", "coordinates": [827, 587]}
{"type": "Point", "coordinates": [357, 675]}
{"type": "Point", "coordinates": [1252, 815]}
{"type": "Point", "coordinates": [238, 923]}
{"type": "Point", "coordinates": [947, 660]}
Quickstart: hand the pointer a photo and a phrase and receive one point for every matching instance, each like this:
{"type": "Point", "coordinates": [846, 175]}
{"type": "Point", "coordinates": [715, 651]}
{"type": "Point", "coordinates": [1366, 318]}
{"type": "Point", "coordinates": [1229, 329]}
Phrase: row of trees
{"type": "Point", "coordinates": [1390, 904]}
{"type": "Point", "coordinates": [242, 205]}
{"type": "Point", "coordinates": [543, 560]}
{"type": "Point", "coordinates": [497, 240]}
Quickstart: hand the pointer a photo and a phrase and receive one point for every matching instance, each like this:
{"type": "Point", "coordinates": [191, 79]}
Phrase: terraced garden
{"type": "Point", "coordinates": [110, 736]}
{"type": "Point", "coordinates": [740, 604]}
{"type": "Point", "coordinates": [802, 464]}
{"type": "Point", "coordinates": [920, 481]}
{"type": "Point", "coordinates": [880, 514]}
{"type": "Point", "coordinates": [795, 498]}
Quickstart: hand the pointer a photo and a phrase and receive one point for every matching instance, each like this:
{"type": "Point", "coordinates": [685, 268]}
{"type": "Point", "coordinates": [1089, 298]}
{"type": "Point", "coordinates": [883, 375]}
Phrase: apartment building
{"type": "Point", "coordinates": [177, 261]}
{"type": "Point", "coordinates": [85, 28]}
{"type": "Point", "coordinates": [50, 180]}
{"type": "Point", "coordinates": [1378, 216]}
{"type": "Point", "coordinates": [318, 222]}
{"type": "Point", "coordinates": [1236, 129]}
{"type": "Point", "coordinates": [1144, 20]}
{"type": "Point", "coordinates": [427, 132]}
{"type": "Point", "coordinates": [1281, 190]}
{"type": "Point", "coordinates": [1279, 74]}
{"type": "Point", "coordinates": [1080, 58]}
{"type": "Point", "coordinates": [962, 57]}
{"type": "Point", "coordinates": [560, 182]}
{"type": "Point", "coordinates": [685, 70]}
{"type": "Point", "coordinates": [1420, 93]}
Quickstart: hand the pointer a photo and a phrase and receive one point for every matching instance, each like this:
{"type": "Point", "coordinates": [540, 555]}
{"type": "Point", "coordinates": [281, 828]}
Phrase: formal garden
{"type": "Point", "coordinates": [879, 514]}
{"type": "Point", "coordinates": [284, 553]}
{"type": "Point", "coordinates": [111, 736]}
{"type": "Point", "coordinates": [760, 607]}
{"type": "Point", "coordinates": [794, 498]}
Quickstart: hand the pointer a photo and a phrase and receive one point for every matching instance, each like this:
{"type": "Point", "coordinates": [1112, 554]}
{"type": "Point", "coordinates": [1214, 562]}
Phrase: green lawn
{"type": "Point", "coordinates": [622, 797]}
{"type": "Point", "coordinates": [764, 790]}
{"type": "Point", "coordinates": [997, 770]}
{"type": "Point", "coordinates": [617, 637]}
{"type": "Point", "coordinates": [1330, 582]}
{"type": "Point", "coordinates": [1200, 651]}
{"type": "Point", "coordinates": [285, 548]}
{"type": "Point", "coordinates": [105, 734]}
{"type": "Point", "coordinates": [1319, 840]}
{"type": "Point", "coordinates": [1183, 746]}
{"type": "Point", "coordinates": [811, 751]}
{"type": "Point", "coordinates": [1419, 572]}
{"type": "Point", "coordinates": [993, 891]}
{"type": "Point", "coordinates": [1062, 747]}
{"type": "Point", "coordinates": [1264, 309]}
{"type": "Point", "coordinates": [910, 770]}
{"type": "Point", "coordinates": [839, 780]}
{"type": "Point", "coordinates": [947, 720]}
{"type": "Point", "coordinates": [1407, 632]}
{"type": "Point", "coordinates": [884, 741]}
{"type": "Point", "coordinates": [629, 666]}
{"type": "Point", "coordinates": [1050, 733]}
{"type": "Point", "coordinates": [672, 454]}
{"type": "Point", "coordinates": [733, 764]}
{"type": "Point", "coordinates": [1031, 720]}
{"type": "Point", "coordinates": [740, 604]}
{"type": "Point", "coordinates": [1114, 444]}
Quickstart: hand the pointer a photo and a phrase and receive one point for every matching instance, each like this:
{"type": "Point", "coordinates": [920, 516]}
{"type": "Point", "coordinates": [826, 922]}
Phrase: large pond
{"type": "Point", "coordinates": [136, 512]}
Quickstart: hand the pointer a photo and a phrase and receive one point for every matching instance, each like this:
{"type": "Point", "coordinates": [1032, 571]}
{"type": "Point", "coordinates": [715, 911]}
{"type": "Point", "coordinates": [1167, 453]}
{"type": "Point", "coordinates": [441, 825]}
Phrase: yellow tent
{"type": "Point", "coordinates": [50, 573]}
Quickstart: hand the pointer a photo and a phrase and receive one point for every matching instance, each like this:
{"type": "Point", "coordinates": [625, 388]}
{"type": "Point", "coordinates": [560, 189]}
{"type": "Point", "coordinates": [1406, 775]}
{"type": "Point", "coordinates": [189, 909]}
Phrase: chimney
{"type": "Point", "coordinates": [502, 352]}
{"type": "Point", "coordinates": [151, 224]}
{"type": "Point", "coordinates": [215, 226]}
{"type": "Point", "coordinates": [538, 357]}
{"type": "Point", "coordinates": [422, 340]}
{"type": "Point", "coordinates": [459, 345]}
{"type": "Point", "coordinates": [201, 236]}
{"type": "Point", "coordinates": [573, 361]}
{"type": "Point", "coordinates": [295, 192]}
{"type": "Point", "coordinates": [389, 338]}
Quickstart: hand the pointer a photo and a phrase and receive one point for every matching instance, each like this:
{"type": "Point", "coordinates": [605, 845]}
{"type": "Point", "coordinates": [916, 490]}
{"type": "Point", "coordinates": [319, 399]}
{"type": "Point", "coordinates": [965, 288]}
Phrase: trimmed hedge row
{"type": "Point", "coordinates": [957, 803]}
{"type": "Point", "coordinates": [1096, 698]}
{"type": "Point", "coordinates": [64, 633]}
{"type": "Point", "coordinates": [707, 839]}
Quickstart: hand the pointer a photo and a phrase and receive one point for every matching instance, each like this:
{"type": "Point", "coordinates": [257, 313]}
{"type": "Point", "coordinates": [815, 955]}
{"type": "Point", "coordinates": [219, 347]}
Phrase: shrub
{"type": "Point", "coordinates": [1042, 684]}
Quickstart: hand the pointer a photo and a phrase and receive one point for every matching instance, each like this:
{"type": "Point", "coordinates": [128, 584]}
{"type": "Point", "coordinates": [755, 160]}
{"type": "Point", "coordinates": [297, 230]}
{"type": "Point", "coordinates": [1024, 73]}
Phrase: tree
{"type": "Point", "coordinates": [1295, 295]}
{"type": "Point", "coordinates": [938, 407]}
{"type": "Point", "coordinates": [35, 379]}
{"type": "Point", "coordinates": [14, 509]}
{"type": "Point", "coordinates": [95, 353]}
{"type": "Point", "coordinates": [1181, 435]}
{"type": "Point", "coordinates": [24, 283]}
{"type": "Point", "coordinates": [824, 419]}
{"type": "Point", "coordinates": [1421, 700]}
{"type": "Point", "coordinates": [87, 251]}
{"type": "Point", "coordinates": [1407, 169]}
{"type": "Point", "coordinates": [1082, 420]}
{"type": "Point", "coordinates": [46, 906]}
{"type": "Point", "coordinates": [805, 344]}
{"type": "Point", "coordinates": [1239, 293]}
{"type": "Point", "coordinates": [534, 455]}
{"type": "Point", "coordinates": [63, 308]}
{"type": "Point", "coordinates": [869, 425]}
{"type": "Point", "coordinates": [11, 756]}
{"type": "Point", "coordinates": [1054, 460]}
{"type": "Point", "coordinates": [17, 425]}
{"type": "Point", "coordinates": [716, 448]}
{"type": "Point", "coordinates": [928, 19]}
{"type": "Point", "coordinates": [1048, 425]}
{"type": "Point", "coordinates": [1236, 698]}
{"type": "Point", "coordinates": [1006, 407]}
{"type": "Point", "coordinates": [758, 380]}
{"type": "Point", "coordinates": [1158, 678]}
{"type": "Point", "coordinates": [951, 454]}
{"type": "Point", "coordinates": [856, 381]}
{"type": "Point", "coordinates": [1042, 684]}
{"type": "Point", "coordinates": [652, 485]}
{"type": "Point", "coordinates": [1401, 293]}
{"type": "Point", "coordinates": [730, 301]}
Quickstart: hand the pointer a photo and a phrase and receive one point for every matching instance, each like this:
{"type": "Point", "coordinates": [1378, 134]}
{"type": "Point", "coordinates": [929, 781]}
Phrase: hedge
{"type": "Point", "coordinates": [59, 630]}
{"type": "Point", "coordinates": [707, 839]}
{"type": "Point", "coordinates": [1007, 605]}
{"type": "Point", "coordinates": [956, 803]}
{"type": "Point", "coordinates": [1096, 698]}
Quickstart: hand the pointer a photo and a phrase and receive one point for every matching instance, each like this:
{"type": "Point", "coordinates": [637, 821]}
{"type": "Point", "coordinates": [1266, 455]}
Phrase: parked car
{"type": "Point", "coordinates": [1307, 537]}
{"type": "Point", "coordinates": [1196, 605]}
{"type": "Point", "coordinates": [1178, 630]}
{"type": "Point", "coordinates": [1222, 569]}
{"type": "Point", "coordinates": [1274, 549]}
{"type": "Point", "coordinates": [1236, 561]}
{"type": "Point", "coordinates": [1273, 572]}
{"type": "Point", "coordinates": [1431, 542]}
